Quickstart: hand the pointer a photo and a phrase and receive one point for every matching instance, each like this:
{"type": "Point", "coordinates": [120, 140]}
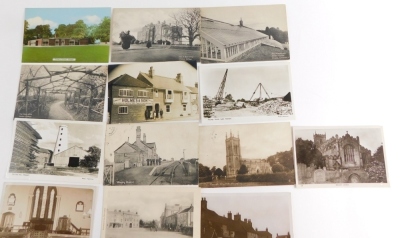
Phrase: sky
{"type": "Point", "coordinates": [255, 17]}
{"type": "Point", "coordinates": [242, 81]}
{"type": "Point", "coordinates": [266, 210]}
{"type": "Point", "coordinates": [257, 141]}
{"type": "Point", "coordinates": [79, 134]}
{"type": "Point", "coordinates": [370, 138]}
{"type": "Point", "coordinates": [56, 16]}
{"type": "Point", "coordinates": [172, 139]}
{"type": "Point", "coordinates": [134, 19]}
{"type": "Point", "coordinates": [149, 204]}
{"type": "Point", "coordinates": [165, 69]}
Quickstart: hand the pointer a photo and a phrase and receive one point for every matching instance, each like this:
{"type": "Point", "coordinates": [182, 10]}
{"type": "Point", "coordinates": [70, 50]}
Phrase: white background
{"type": "Point", "coordinates": [344, 65]}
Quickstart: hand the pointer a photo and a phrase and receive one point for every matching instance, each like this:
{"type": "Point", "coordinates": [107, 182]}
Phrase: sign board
{"type": "Point", "coordinates": [131, 101]}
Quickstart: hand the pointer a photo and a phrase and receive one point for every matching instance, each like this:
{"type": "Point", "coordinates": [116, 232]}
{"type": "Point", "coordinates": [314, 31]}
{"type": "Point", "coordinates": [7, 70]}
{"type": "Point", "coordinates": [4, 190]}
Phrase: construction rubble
{"type": "Point", "coordinates": [275, 107]}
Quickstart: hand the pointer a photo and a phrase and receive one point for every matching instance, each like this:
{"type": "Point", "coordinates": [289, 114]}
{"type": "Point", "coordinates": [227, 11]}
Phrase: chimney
{"type": "Point", "coordinates": [144, 137]}
{"type": "Point", "coordinates": [245, 220]}
{"type": "Point", "coordinates": [178, 78]}
{"type": "Point", "coordinates": [249, 222]}
{"type": "Point", "coordinates": [203, 203]}
{"type": "Point", "coordinates": [237, 217]}
{"type": "Point", "coordinates": [196, 84]}
{"type": "Point", "coordinates": [138, 132]}
{"type": "Point", "coordinates": [151, 72]}
{"type": "Point", "coordinates": [230, 215]}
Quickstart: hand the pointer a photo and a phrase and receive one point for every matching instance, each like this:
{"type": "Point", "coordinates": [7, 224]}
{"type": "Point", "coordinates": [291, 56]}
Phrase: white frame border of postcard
{"type": "Point", "coordinates": [45, 209]}
{"type": "Point", "coordinates": [57, 151]}
{"type": "Point", "coordinates": [245, 93]}
{"type": "Point", "coordinates": [143, 207]}
{"type": "Point", "coordinates": [341, 156]}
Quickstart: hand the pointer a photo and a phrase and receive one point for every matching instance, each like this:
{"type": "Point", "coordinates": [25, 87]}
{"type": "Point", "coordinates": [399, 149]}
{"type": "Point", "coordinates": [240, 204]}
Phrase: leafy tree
{"type": "Point", "coordinates": [243, 169]}
{"type": "Point", "coordinates": [79, 30]}
{"type": "Point", "coordinates": [43, 31]}
{"type": "Point", "coordinates": [91, 160]}
{"type": "Point", "coordinates": [378, 155]}
{"type": "Point", "coordinates": [229, 97]}
{"type": "Point", "coordinates": [213, 169]}
{"type": "Point", "coordinates": [102, 31]}
{"type": "Point", "coordinates": [303, 151]}
{"type": "Point", "coordinates": [224, 170]}
{"type": "Point", "coordinates": [189, 19]}
{"type": "Point", "coordinates": [204, 171]}
{"type": "Point", "coordinates": [218, 172]}
{"type": "Point", "coordinates": [148, 44]}
{"type": "Point", "coordinates": [61, 31]}
{"type": "Point", "coordinates": [276, 168]}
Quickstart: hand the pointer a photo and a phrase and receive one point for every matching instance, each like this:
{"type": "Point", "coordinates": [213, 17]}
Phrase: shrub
{"type": "Point", "coordinates": [205, 179]}
{"type": "Point", "coordinates": [148, 45]}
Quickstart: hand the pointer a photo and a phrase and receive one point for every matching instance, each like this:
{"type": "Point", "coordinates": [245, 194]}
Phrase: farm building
{"type": "Point", "coordinates": [69, 157]}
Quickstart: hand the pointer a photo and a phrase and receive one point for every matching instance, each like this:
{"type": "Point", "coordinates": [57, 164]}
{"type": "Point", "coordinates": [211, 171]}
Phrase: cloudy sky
{"type": "Point", "coordinates": [82, 134]}
{"type": "Point", "coordinates": [255, 17]}
{"type": "Point", "coordinates": [134, 19]}
{"type": "Point", "coordinates": [257, 141]}
{"type": "Point", "coordinates": [266, 210]}
{"type": "Point", "coordinates": [149, 203]}
{"type": "Point", "coordinates": [371, 138]}
{"type": "Point", "coordinates": [165, 69]}
{"type": "Point", "coordinates": [171, 138]}
{"type": "Point", "coordinates": [242, 81]}
{"type": "Point", "coordinates": [56, 16]}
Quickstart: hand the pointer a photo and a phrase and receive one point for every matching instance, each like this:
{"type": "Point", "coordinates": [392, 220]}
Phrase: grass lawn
{"type": "Point", "coordinates": [81, 54]}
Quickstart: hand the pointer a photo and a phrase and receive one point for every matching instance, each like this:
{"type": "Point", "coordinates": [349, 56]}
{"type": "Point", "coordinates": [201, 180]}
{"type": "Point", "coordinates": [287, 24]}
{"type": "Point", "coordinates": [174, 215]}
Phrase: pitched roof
{"type": "Point", "coordinates": [161, 82]}
{"type": "Point", "coordinates": [194, 90]}
{"type": "Point", "coordinates": [226, 33]}
{"type": "Point", "coordinates": [127, 80]}
{"type": "Point", "coordinates": [187, 209]}
{"type": "Point", "coordinates": [129, 144]}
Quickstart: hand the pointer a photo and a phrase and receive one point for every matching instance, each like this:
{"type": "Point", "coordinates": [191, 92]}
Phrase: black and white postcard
{"type": "Point", "coordinates": [154, 35]}
{"type": "Point", "coordinates": [245, 93]}
{"type": "Point", "coordinates": [156, 212]}
{"type": "Point", "coordinates": [245, 33]}
{"type": "Point", "coordinates": [262, 215]}
{"type": "Point", "coordinates": [340, 156]}
{"type": "Point", "coordinates": [151, 154]}
{"type": "Point", "coordinates": [246, 155]}
{"type": "Point", "coordinates": [153, 92]}
{"type": "Point", "coordinates": [46, 211]}
{"type": "Point", "coordinates": [62, 92]}
{"type": "Point", "coordinates": [57, 150]}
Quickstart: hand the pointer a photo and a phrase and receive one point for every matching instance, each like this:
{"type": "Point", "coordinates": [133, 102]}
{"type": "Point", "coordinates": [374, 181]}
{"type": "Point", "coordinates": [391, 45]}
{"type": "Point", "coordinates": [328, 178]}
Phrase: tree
{"type": "Point", "coordinates": [92, 159]}
{"type": "Point", "coordinates": [148, 44]}
{"type": "Point", "coordinates": [213, 169]}
{"type": "Point", "coordinates": [218, 172]}
{"type": "Point", "coordinates": [303, 151]}
{"type": "Point", "coordinates": [102, 31]}
{"type": "Point", "coordinates": [378, 155]}
{"type": "Point", "coordinates": [190, 20]}
{"type": "Point", "coordinates": [204, 171]}
{"type": "Point", "coordinates": [229, 97]}
{"type": "Point", "coordinates": [43, 31]}
{"type": "Point", "coordinates": [243, 169]}
{"type": "Point", "coordinates": [79, 30]}
{"type": "Point", "coordinates": [276, 168]}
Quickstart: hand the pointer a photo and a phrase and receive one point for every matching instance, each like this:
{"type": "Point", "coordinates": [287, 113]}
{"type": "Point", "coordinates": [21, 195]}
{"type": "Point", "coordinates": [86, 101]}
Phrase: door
{"type": "Point", "coordinates": [7, 220]}
{"type": "Point", "coordinates": [73, 162]}
{"type": "Point", "coordinates": [157, 106]}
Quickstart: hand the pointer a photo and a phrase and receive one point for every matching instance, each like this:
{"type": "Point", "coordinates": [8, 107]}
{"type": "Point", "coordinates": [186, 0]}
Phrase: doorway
{"type": "Point", "coordinates": [73, 162]}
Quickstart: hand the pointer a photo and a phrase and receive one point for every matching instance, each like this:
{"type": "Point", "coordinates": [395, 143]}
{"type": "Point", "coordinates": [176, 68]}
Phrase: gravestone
{"type": "Point", "coordinates": [301, 170]}
{"type": "Point", "coordinates": [319, 176]}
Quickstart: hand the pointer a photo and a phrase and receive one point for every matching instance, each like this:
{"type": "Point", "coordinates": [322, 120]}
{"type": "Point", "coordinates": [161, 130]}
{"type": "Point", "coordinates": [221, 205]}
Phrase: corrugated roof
{"type": "Point", "coordinates": [227, 34]}
{"type": "Point", "coordinates": [161, 82]}
{"type": "Point", "coordinates": [127, 80]}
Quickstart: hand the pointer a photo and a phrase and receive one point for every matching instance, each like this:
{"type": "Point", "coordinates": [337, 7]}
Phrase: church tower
{"type": "Point", "coordinates": [62, 139]}
{"type": "Point", "coordinates": [233, 155]}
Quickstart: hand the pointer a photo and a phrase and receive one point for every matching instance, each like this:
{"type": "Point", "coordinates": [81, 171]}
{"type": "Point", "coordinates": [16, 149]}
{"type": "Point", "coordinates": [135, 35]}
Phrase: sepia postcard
{"type": "Point", "coordinates": [151, 154]}
{"type": "Point", "coordinates": [155, 34]}
{"type": "Point", "coordinates": [61, 92]}
{"type": "Point", "coordinates": [44, 210]}
{"type": "Point", "coordinates": [245, 93]}
{"type": "Point", "coordinates": [151, 212]}
{"type": "Point", "coordinates": [262, 215]}
{"type": "Point", "coordinates": [66, 35]}
{"type": "Point", "coordinates": [153, 92]}
{"type": "Point", "coordinates": [340, 156]}
{"type": "Point", "coordinates": [246, 155]}
{"type": "Point", "coordinates": [244, 33]}
{"type": "Point", "coordinates": [57, 150]}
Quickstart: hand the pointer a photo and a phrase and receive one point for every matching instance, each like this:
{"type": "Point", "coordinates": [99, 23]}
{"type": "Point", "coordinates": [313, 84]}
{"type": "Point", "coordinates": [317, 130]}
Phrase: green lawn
{"type": "Point", "coordinates": [81, 54]}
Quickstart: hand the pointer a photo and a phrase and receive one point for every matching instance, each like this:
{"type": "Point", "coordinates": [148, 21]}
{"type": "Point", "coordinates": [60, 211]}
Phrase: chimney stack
{"type": "Point", "coordinates": [151, 72]}
{"type": "Point", "coordinates": [230, 215]}
{"type": "Point", "coordinates": [179, 78]}
{"type": "Point", "coordinates": [237, 217]}
{"type": "Point", "coordinates": [196, 84]}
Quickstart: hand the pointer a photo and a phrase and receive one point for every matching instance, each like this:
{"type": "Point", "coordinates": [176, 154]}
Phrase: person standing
{"type": "Point", "coordinates": [161, 113]}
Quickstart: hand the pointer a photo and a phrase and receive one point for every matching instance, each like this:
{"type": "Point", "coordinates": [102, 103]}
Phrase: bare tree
{"type": "Point", "coordinates": [190, 20]}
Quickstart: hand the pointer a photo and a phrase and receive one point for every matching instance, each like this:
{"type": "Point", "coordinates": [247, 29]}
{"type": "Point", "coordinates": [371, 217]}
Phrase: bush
{"type": "Point", "coordinates": [276, 177]}
{"type": "Point", "coordinates": [205, 179]}
{"type": "Point", "coordinates": [148, 45]}
{"type": "Point", "coordinates": [168, 43]}
{"type": "Point", "coordinates": [159, 42]}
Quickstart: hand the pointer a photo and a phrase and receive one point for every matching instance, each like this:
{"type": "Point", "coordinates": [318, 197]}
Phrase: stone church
{"type": "Point", "coordinates": [234, 159]}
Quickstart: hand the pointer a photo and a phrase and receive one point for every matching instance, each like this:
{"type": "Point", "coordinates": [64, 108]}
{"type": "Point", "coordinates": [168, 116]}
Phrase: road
{"type": "Point", "coordinates": [142, 233]}
{"type": "Point", "coordinates": [58, 113]}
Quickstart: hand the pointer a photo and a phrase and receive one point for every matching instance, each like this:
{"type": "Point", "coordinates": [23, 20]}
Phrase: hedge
{"type": "Point", "coordinates": [281, 177]}
{"type": "Point", "coordinates": [205, 179]}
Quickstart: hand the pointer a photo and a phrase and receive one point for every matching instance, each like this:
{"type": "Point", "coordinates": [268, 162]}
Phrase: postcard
{"type": "Point", "coordinates": [245, 93]}
{"type": "Point", "coordinates": [263, 215]}
{"type": "Point", "coordinates": [155, 34]}
{"type": "Point", "coordinates": [340, 156]}
{"type": "Point", "coordinates": [41, 210]}
{"type": "Point", "coordinates": [57, 150]}
{"type": "Point", "coordinates": [244, 33]}
{"type": "Point", "coordinates": [153, 92]}
{"type": "Point", "coordinates": [66, 35]}
{"type": "Point", "coordinates": [151, 212]}
{"type": "Point", "coordinates": [246, 155]}
{"type": "Point", "coordinates": [151, 154]}
{"type": "Point", "coordinates": [62, 92]}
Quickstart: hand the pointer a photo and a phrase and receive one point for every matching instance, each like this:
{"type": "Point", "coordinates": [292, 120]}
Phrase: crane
{"type": "Point", "coordinates": [220, 93]}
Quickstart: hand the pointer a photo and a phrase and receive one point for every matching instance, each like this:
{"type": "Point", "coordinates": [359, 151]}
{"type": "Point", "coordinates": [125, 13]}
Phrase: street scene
{"type": "Point", "coordinates": [161, 154]}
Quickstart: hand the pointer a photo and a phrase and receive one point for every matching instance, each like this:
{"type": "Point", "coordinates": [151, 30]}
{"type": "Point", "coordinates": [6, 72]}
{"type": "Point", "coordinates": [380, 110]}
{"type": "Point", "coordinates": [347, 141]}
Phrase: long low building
{"type": "Point", "coordinates": [57, 42]}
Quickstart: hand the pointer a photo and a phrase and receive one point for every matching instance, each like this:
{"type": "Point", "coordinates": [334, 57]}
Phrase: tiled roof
{"type": "Point", "coordinates": [127, 80]}
{"type": "Point", "coordinates": [161, 82]}
{"type": "Point", "coordinates": [227, 34]}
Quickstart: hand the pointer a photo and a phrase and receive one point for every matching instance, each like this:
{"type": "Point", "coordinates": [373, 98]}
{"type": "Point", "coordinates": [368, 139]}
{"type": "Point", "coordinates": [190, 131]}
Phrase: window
{"type": "Point", "coordinates": [348, 153]}
{"type": "Point", "coordinates": [185, 95]}
{"type": "Point", "coordinates": [156, 93]}
{"type": "Point", "coordinates": [79, 206]}
{"type": "Point", "coordinates": [11, 200]}
{"type": "Point", "coordinates": [184, 108]}
{"type": "Point", "coordinates": [142, 93]}
{"type": "Point", "coordinates": [125, 93]}
{"type": "Point", "coordinates": [169, 94]}
{"type": "Point", "coordinates": [168, 108]}
{"type": "Point", "coordinates": [123, 110]}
